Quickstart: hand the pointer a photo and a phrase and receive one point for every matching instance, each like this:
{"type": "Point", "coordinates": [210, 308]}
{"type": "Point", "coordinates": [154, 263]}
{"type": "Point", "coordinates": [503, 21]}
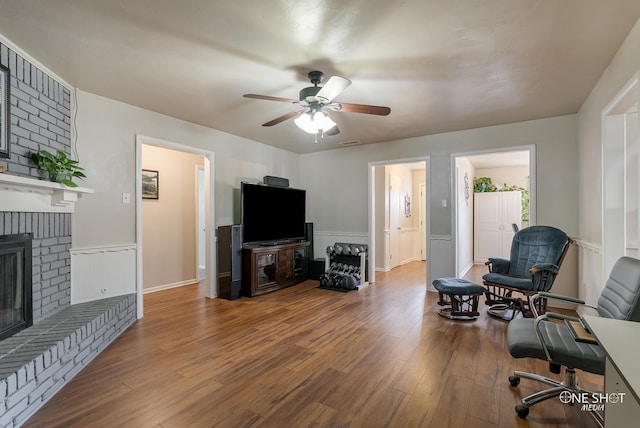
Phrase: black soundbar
{"type": "Point", "coordinates": [275, 181]}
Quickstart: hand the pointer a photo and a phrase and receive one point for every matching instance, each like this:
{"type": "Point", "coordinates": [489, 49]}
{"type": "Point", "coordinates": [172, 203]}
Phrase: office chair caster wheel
{"type": "Point", "coordinates": [522, 411]}
{"type": "Point", "coordinates": [514, 380]}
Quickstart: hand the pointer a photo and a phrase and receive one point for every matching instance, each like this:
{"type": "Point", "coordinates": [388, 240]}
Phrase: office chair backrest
{"type": "Point", "coordinates": [536, 245]}
{"type": "Point", "coordinates": [621, 293]}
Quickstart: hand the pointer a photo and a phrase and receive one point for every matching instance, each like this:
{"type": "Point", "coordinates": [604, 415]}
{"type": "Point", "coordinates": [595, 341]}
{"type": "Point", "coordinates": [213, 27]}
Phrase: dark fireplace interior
{"type": "Point", "coordinates": [16, 309]}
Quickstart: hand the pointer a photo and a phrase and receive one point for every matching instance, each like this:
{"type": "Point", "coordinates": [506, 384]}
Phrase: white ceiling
{"type": "Point", "coordinates": [441, 65]}
{"type": "Point", "coordinates": [500, 159]}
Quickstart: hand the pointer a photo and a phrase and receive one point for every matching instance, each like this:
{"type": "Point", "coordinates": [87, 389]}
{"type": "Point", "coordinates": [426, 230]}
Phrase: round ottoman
{"type": "Point", "coordinates": [460, 296]}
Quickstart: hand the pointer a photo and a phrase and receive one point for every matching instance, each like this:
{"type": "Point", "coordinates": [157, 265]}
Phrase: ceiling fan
{"type": "Point", "coordinates": [315, 100]}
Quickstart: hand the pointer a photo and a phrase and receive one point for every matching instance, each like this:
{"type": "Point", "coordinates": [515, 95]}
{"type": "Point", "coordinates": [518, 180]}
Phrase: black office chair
{"type": "Point", "coordinates": [548, 337]}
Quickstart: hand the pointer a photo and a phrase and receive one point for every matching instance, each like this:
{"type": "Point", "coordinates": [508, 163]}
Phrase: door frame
{"type": "Point", "coordinates": [371, 215]}
{"type": "Point", "coordinates": [531, 148]}
{"type": "Point", "coordinates": [200, 193]}
{"type": "Point", "coordinates": [210, 248]}
{"type": "Point", "coordinates": [614, 160]}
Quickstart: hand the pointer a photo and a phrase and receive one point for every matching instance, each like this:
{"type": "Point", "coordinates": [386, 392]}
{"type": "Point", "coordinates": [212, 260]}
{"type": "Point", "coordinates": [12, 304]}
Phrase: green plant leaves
{"type": "Point", "coordinates": [60, 167]}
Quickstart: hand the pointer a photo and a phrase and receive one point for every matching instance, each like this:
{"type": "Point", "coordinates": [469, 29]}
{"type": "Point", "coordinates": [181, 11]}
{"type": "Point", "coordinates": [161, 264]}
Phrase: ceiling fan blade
{"type": "Point", "coordinates": [284, 117]}
{"type": "Point", "coordinates": [333, 131]}
{"type": "Point", "coordinates": [268, 98]}
{"type": "Point", "coordinates": [361, 108]}
{"type": "Point", "coordinates": [333, 87]}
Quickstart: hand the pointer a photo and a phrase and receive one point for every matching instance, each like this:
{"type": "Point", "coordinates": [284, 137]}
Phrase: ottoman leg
{"type": "Point", "coordinates": [444, 299]}
{"type": "Point", "coordinates": [463, 307]}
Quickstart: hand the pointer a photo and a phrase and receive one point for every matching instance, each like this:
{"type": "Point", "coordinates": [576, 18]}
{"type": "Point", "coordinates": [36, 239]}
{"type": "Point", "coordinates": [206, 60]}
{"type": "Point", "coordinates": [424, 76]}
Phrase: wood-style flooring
{"type": "Point", "coordinates": [305, 357]}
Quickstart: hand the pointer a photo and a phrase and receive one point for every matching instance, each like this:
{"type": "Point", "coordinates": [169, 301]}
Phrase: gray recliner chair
{"type": "Point", "coordinates": [536, 255]}
{"type": "Point", "coordinates": [548, 337]}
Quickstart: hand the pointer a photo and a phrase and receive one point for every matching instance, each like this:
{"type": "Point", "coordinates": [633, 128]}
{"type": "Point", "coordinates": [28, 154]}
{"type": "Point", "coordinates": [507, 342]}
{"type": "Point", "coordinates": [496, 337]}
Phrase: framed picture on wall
{"type": "Point", "coordinates": [4, 111]}
{"type": "Point", "coordinates": [150, 189]}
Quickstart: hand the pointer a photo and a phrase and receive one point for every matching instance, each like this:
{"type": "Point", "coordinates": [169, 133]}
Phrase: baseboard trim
{"type": "Point", "coordinates": [169, 286]}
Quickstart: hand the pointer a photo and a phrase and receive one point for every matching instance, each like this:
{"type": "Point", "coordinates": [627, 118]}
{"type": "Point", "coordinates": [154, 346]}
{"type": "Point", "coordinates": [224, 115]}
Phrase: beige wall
{"type": "Point", "coordinates": [511, 175]}
{"type": "Point", "coordinates": [169, 222]}
{"type": "Point", "coordinates": [107, 132]}
{"type": "Point", "coordinates": [106, 142]}
{"type": "Point", "coordinates": [556, 143]}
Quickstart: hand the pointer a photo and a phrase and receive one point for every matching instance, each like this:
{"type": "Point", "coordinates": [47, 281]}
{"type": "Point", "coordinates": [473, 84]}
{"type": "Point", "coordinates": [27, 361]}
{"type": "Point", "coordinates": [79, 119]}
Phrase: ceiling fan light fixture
{"type": "Point", "coordinates": [314, 123]}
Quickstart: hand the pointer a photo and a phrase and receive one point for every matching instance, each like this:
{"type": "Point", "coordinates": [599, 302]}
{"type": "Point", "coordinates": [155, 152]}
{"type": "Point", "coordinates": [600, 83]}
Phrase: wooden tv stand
{"type": "Point", "coordinates": [270, 268]}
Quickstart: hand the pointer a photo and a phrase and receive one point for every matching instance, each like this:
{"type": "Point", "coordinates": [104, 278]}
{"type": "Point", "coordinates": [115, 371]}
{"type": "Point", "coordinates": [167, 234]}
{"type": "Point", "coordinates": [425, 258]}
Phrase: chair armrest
{"type": "Point", "coordinates": [544, 266]}
{"type": "Point", "coordinates": [554, 296]}
{"type": "Point", "coordinates": [561, 317]}
{"type": "Point", "coordinates": [498, 265]}
{"type": "Point", "coordinates": [547, 295]}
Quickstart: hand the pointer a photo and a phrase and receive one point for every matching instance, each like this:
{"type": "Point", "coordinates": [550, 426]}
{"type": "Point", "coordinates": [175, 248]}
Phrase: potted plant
{"type": "Point", "coordinates": [60, 167]}
{"type": "Point", "coordinates": [483, 184]}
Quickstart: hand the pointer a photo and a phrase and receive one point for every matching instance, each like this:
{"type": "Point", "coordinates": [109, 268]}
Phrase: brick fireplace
{"type": "Point", "coordinates": [37, 361]}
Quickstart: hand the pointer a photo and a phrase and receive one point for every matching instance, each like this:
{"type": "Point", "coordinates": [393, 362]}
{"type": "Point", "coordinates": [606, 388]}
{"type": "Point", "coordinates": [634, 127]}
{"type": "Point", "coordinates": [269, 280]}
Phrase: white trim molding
{"type": "Point", "coordinates": [169, 286]}
{"type": "Point", "coordinates": [25, 194]}
{"type": "Point", "coordinates": [588, 246]}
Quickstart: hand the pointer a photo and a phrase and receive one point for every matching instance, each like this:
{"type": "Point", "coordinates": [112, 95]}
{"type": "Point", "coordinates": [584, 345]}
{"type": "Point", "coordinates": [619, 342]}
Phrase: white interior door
{"type": "Point", "coordinates": [487, 225]}
{"type": "Point", "coordinates": [512, 214]}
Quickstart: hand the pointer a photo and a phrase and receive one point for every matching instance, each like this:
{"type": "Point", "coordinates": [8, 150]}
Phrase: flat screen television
{"type": "Point", "coordinates": [272, 215]}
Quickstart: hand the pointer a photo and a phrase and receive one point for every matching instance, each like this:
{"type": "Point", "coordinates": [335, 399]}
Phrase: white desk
{"type": "Point", "coordinates": [621, 343]}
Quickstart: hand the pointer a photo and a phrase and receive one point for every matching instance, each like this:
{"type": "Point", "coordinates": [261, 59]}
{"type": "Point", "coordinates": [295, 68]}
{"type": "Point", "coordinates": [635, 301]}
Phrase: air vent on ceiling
{"type": "Point", "coordinates": [349, 143]}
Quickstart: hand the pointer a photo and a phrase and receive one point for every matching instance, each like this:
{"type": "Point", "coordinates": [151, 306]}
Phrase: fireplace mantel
{"type": "Point", "coordinates": [30, 195]}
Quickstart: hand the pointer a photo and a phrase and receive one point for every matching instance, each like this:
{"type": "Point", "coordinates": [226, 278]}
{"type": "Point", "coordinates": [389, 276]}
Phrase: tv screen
{"type": "Point", "coordinates": [272, 214]}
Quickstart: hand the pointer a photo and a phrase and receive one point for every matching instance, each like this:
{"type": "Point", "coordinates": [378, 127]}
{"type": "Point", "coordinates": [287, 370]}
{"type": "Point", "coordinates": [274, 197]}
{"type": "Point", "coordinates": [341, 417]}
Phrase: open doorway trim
{"type": "Point", "coordinates": [210, 249]}
{"type": "Point", "coordinates": [614, 186]}
{"type": "Point", "coordinates": [371, 213]}
{"type": "Point", "coordinates": [200, 222]}
{"type": "Point", "coordinates": [455, 186]}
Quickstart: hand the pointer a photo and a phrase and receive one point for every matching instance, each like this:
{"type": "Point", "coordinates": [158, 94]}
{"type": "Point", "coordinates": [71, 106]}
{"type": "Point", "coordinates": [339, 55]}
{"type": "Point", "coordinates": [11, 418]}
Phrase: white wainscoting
{"type": "Point", "coordinates": [322, 239]}
{"type": "Point", "coordinates": [100, 272]}
{"type": "Point", "coordinates": [590, 275]}
{"type": "Point", "coordinates": [409, 245]}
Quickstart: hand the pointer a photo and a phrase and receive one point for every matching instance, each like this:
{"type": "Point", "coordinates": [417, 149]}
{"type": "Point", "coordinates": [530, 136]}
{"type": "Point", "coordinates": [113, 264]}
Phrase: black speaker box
{"type": "Point", "coordinates": [308, 236]}
{"type": "Point", "coordinates": [229, 261]}
{"type": "Point", "coordinates": [275, 181]}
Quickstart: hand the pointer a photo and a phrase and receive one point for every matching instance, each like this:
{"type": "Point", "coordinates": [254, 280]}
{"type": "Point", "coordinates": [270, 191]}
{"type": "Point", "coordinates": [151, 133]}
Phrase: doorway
{"type": "Point", "coordinates": [164, 186]}
{"type": "Point", "coordinates": [398, 230]}
{"type": "Point", "coordinates": [513, 168]}
{"type": "Point", "coordinates": [620, 177]}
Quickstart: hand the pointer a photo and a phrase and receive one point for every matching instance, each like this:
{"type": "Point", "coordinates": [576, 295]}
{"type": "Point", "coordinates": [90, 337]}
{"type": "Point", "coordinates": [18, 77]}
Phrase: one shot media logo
{"type": "Point", "coordinates": [591, 401]}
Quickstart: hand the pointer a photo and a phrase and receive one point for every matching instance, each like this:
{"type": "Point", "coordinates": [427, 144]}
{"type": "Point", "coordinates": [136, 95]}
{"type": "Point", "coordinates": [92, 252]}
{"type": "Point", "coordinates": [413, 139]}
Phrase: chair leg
{"type": "Point", "coordinates": [569, 384]}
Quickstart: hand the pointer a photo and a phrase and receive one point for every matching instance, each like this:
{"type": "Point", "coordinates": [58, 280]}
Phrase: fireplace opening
{"type": "Point", "coordinates": [16, 299]}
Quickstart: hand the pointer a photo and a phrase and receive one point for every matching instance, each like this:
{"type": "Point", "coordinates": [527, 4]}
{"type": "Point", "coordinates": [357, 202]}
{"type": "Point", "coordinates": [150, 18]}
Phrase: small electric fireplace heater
{"type": "Point", "coordinates": [16, 307]}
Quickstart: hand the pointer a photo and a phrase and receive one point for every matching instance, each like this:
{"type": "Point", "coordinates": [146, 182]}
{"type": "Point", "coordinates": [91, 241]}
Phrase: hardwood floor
{"type": "Point", "coordinates": [302, 357]}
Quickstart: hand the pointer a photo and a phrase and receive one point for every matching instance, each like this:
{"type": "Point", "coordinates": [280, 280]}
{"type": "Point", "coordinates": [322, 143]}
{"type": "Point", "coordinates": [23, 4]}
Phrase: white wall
{"type": "Point", "coordinates": [106, 132]}
{"type": "Point", "coordinates": [622, 68]}
{"type": "Point", "coordinates": [511, 175]}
